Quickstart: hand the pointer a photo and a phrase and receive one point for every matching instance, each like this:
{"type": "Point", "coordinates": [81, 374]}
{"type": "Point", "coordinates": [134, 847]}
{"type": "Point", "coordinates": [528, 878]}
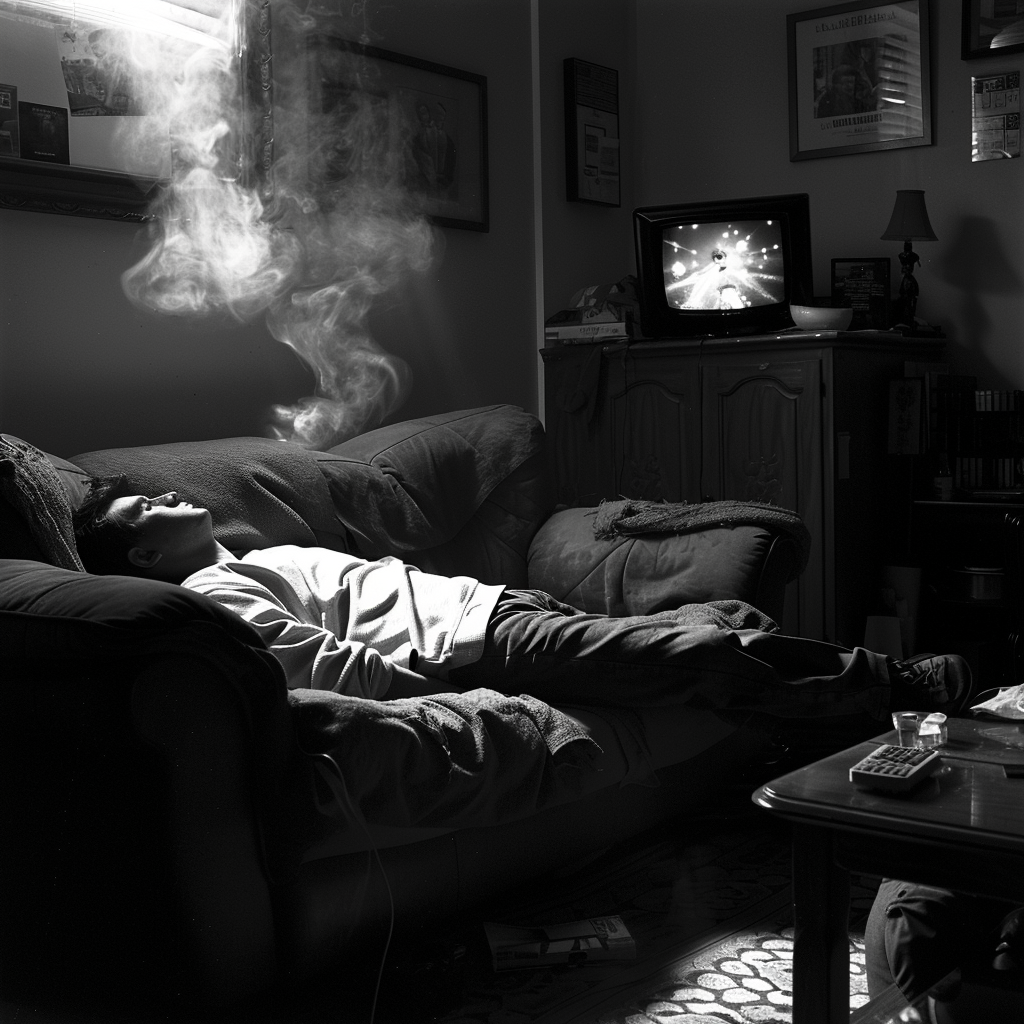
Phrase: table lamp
{"type": "Point", "coordinates": [910, 222]}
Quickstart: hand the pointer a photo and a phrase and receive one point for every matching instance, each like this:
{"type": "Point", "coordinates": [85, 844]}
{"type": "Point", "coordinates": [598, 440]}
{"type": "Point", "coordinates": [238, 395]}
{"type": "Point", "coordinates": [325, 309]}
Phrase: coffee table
{"type": "Point", "coordinates": [962, 829]}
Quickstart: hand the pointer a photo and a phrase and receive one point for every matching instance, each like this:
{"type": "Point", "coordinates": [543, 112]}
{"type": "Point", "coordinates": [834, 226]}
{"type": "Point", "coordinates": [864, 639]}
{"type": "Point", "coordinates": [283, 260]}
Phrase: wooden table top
{"type": "Point", "coordinates": [970, 801]}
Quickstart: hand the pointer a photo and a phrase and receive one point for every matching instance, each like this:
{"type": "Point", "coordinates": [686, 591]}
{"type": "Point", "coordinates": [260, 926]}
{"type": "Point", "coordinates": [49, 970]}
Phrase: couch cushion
{"type": "Point", "coordinates": [466, 488]}
{"type": "Point", "coordinates": [413, 486]}
{"type": "Point", "coordinates": [643, 575]}
{"type": "Point", "coordinates": [35, 511]}
{"type": "Point", "coordinates": [260, 492]}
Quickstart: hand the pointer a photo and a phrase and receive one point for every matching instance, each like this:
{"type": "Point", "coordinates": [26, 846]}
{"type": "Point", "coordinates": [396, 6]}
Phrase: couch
{"type": "Point", "coordinates": [170, 830]}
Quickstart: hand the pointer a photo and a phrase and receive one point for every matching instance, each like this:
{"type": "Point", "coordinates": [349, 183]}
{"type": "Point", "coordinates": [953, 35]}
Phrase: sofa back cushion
{"type": "Point", "coordinates": [260, 492]}
{"type": "Point", "coordinates": [459, 492]}
{"type": "Point", "coordinates": [454, 493]}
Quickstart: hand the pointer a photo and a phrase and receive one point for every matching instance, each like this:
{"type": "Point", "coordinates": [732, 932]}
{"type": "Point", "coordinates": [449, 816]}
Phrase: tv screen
{"type": "Point", "coordinates": [729, 267]}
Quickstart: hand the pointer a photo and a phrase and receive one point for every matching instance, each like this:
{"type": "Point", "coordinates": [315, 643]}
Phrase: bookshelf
{"type": "Point", "coordinates": [979, 433]}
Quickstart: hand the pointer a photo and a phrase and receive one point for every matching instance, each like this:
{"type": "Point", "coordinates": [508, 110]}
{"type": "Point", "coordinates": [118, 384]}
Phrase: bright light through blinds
{"type": "Point", "coordinates": [202, 22]}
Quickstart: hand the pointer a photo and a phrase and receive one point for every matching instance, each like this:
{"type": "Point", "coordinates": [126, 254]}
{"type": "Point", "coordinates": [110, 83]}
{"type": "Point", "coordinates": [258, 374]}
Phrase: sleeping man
{"type": "Point", "coordinates": [382, 630]}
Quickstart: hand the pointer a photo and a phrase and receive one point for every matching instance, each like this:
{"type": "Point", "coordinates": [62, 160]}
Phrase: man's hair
{"type": "Point", "coordinates": [103, 539]}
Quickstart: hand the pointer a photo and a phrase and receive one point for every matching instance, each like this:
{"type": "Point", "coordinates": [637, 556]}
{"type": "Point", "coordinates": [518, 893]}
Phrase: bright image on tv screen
{"type": "Point", "coordinates": [724, 265]}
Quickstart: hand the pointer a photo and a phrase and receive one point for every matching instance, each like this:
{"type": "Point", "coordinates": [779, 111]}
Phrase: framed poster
{"type": "Point", "coordinates": [592, 161]}
{"type": "Point", "coordinates": [995, 116]}
{"type": "Point", "coordinates": [859, 79]}
{"type": "Point", "coordinates": [408, 122]}
{"type": "Point", "coordinates": [991, 26]}
{"type": "Point", "coordinates": [864, 286]}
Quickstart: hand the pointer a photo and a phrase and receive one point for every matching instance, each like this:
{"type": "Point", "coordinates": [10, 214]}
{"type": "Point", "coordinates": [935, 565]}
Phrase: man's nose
{"type": "Point", "coordinates": [169, 499]}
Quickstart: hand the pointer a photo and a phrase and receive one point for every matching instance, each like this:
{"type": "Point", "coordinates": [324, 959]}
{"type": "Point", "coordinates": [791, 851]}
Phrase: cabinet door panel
{"type": "Point", "coordinates": [653, 436]}
{"type": "Point", "coordinates": [763, 442]}
{"type": "Point", "coordinates": [573, 414]}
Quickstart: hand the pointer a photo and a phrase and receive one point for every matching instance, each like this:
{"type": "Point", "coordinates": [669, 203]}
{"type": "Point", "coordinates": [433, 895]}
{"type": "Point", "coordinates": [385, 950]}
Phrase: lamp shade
{"type": "Point", "coordinates": [909, 219]}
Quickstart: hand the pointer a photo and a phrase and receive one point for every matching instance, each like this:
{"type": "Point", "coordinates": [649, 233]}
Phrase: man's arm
{"type": "Point", "coordinates": [312, 656]}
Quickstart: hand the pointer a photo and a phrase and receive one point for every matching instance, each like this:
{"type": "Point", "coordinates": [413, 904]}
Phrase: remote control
{"type": "Point", "coordinates": [895, 769]}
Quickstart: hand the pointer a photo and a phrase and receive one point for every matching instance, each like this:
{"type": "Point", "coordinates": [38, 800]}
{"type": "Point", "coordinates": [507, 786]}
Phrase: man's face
{"type": "Point", "coordinates": [167, 525]}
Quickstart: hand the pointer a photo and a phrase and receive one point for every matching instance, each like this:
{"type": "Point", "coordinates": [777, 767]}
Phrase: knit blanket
{"type": "Point", "coordinates": [628, 517]}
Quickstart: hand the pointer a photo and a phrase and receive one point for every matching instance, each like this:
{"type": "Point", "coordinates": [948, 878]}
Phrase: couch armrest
{"type": "Point", "coordinates": [641, 575]}
{"type": "Point", "coordinates": [141, 730]}
{"type": "Point", "coordinates": [132, 861]}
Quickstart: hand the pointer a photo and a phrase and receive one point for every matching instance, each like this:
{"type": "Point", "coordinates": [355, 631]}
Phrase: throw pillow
{"type": "Point", "coordinates": [35, 516]}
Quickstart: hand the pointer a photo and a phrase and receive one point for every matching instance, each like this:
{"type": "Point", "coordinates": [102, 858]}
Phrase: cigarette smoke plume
{"type": "Point", "coordinates": [335, 228]}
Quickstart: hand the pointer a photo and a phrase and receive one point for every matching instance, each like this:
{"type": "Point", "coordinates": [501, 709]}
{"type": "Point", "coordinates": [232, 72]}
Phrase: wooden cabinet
{"type": "Point", "coordinates": [800, 421]}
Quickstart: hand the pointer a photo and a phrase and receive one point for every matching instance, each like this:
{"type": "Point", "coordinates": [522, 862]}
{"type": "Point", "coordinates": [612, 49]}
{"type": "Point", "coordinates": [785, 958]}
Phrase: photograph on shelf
{"type": "Point", "coordinates": [864, 286]}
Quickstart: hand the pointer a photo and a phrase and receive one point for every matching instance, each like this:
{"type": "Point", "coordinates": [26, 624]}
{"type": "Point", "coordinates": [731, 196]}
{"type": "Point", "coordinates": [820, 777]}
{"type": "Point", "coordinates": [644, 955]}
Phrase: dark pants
{"type": "Point", "coordinates": [918, 936]}
{"type": "Point", "coordinates": [539, 646]}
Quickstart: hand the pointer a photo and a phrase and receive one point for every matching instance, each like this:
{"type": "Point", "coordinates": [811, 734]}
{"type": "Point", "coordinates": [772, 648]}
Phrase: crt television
{"type": "Point", "coordinates": [722, 268]}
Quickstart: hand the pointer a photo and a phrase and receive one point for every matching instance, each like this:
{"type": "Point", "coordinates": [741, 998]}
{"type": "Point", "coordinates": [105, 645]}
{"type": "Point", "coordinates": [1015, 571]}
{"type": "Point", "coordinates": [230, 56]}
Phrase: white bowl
{"type": "Point", "coordinates": [821, 318]}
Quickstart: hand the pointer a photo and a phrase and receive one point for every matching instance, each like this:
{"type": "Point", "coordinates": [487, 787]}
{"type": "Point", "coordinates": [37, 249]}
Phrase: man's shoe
{"type": "Point", "coordinates": [930, 682]}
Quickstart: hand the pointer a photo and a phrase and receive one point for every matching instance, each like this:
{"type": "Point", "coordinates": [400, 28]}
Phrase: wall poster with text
{"type": "Point", "coordinates": [859, 78]}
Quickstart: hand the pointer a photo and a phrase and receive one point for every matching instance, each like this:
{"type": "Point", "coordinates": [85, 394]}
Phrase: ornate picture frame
{"type": "Point", "coordinates": [859, 78]}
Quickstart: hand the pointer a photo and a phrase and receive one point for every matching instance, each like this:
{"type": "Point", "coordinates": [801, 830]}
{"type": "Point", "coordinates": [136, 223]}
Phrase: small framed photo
{"type": "Point", "coordinates": [990, 27]}
{"type": "Point", "coordinates": [863, 285]}
{"type": "Point", "coordinates": [405, 122]}
{"type": "Point", "coordinates": [859, 79]}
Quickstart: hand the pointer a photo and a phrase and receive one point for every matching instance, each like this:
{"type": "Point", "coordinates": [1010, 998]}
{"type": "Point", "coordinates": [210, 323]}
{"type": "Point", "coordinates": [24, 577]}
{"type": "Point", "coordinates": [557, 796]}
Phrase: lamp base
{"type": "Point", "coordinates": [920, 330]}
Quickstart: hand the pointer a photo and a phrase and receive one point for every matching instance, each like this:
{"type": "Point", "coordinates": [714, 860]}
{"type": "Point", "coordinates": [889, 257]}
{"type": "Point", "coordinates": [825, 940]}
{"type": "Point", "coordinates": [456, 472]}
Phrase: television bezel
{"type": "Point", "coordinates": [660, 320]}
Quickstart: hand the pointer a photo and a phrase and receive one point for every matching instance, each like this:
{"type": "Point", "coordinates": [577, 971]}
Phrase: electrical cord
{"type": "Point", "coordinates": [332, 776]}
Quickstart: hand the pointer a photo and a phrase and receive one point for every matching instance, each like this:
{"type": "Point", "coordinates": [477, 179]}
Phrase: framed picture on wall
{"type": "Point", "coordinates": [991, 27]}
{"type": "Point", "coordinates": [859, 78]}
{"type": "Point", "coordinates": [592, 161]}
{"type": "Point", "coordinates": [401, 122]}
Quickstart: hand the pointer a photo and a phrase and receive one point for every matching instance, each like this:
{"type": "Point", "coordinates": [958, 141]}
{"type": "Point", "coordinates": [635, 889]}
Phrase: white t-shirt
{"type": "Point", "coordinates": [336, 622]}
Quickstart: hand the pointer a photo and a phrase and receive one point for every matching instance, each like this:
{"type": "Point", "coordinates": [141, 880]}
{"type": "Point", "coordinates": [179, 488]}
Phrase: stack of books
{"type": "Point", "coordinates": [594, 940]}
{"type": "Point", "coordinates": [584, 325]}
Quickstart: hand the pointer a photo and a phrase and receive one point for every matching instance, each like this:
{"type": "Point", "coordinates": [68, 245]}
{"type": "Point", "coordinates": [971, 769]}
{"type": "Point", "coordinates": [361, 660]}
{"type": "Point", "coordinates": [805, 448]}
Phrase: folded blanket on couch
{"type": "Point", "coordinates": [628, 517]}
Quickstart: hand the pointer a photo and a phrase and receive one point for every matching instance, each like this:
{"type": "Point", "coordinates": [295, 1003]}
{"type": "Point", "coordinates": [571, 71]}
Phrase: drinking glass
{"type": "Point", "coordinates": [906, 724]}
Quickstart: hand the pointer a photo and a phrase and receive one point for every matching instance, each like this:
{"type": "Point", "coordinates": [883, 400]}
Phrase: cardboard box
{"type": "Point", "coordinates": [595, 940]}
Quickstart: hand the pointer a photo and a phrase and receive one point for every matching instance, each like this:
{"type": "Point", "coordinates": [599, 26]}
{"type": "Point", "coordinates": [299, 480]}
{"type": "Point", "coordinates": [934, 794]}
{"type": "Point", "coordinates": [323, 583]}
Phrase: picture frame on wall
{"type": "Point", "coordinates": [592, 158]}
{"type": "Point", "coordinates": [864, 285]}
{"type": "Point", "coordinates": [989, 27]}
{"type": "Point", "coordinates": [421, 126]}
{"type": "Point", "coordinates": [859, 78]}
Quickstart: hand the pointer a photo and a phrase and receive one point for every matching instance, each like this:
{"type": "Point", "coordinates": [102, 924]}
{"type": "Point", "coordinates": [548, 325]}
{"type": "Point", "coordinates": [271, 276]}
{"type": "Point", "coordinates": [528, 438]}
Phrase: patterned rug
{"type": "Point", "coordinates": [707, 901]}
{"type": "Point", "coordinates": [708, 905]}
